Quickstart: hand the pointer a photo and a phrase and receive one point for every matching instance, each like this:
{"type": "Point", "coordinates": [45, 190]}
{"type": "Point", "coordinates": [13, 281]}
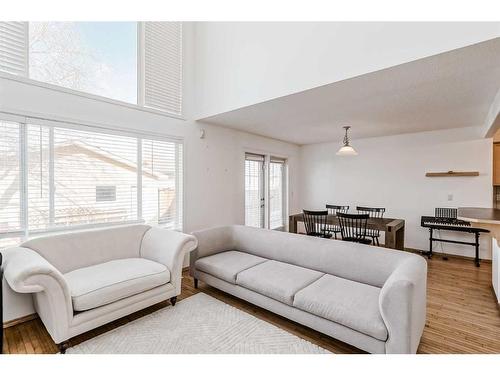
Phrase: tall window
{"type": "Point", "coordinates": [138, 63]}
{"type": "Point", "coordinates": [63, 178]}
{"type": "Point", "coordinates": [265, 191]}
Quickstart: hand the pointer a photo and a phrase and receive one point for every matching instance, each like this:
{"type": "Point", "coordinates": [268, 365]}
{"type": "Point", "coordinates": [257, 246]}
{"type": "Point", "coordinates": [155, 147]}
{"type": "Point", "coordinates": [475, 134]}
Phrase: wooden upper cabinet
{"type": "Point", "coordinates": [496, 164]}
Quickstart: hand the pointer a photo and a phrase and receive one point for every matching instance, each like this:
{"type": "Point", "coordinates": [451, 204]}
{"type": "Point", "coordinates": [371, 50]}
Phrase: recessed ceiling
{"type": "Point", "coordinates": [450, 90]}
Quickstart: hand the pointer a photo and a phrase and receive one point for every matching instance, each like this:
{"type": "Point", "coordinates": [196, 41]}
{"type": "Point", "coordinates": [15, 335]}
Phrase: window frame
{"type": "Point", "coordinates": [140, 82]}
{"type": "Point", "coordinates": [25, 233]}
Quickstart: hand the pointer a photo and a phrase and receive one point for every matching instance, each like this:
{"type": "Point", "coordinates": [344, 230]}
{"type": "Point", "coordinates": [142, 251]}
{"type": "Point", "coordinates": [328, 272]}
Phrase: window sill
{"type": "Point", "coordinates": [98, 98]}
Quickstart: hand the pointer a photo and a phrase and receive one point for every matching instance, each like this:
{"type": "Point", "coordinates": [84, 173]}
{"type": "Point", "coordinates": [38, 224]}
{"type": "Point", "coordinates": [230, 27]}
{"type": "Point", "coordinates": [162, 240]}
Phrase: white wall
{"type": "Point", "coordinates": [244, 63]}
{"type": "Point", "coordinates": [214, 166]}
{"type": "Point", "coordinates": [390, 172]}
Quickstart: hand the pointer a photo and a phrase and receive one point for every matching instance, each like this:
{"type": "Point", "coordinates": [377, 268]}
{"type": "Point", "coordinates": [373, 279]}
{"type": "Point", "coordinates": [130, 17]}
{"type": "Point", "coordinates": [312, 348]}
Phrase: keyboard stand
{"type": "Point", "coordinates": [470, 230]}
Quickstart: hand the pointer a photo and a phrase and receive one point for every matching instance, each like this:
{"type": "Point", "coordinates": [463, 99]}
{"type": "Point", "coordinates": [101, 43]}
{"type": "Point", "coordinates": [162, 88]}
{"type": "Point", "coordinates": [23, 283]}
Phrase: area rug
{"type": "Point", "coordinates": [199, 324]}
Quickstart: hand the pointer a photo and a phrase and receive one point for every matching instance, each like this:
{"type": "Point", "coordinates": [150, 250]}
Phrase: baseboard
{"type": "Point", "coordinates": [20, 320]}
{"type": "Point", "coordinates": [440, 255]}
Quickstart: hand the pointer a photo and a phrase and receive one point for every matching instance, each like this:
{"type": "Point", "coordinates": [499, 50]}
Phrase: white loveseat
{"type": "Point", "coordinates": [83, 280]}
{"type": "Point", "coordinates": [370, 297]}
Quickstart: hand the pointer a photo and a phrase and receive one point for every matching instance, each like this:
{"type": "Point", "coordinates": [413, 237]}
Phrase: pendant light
{"type": "Point", "coordinates": [346, 149]}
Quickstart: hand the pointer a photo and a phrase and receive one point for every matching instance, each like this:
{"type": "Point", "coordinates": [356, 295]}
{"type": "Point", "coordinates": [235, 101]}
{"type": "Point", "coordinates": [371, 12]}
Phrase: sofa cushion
{"type": "Point", "coordinates": [228, 264]}
{"type": "Point", "coordinates": [346, 302]}
{"type": "Point", "coordinates": [108, 282]}
{"type": "Point", "coordinates": [277, 280]}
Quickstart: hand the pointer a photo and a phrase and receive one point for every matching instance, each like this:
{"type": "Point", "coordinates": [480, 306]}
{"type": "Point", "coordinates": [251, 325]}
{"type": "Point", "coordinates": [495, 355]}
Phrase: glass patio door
{"type": "Point", "coordinates": [265, 191]}
{"type": "Point", "coordinates": [254, 190]}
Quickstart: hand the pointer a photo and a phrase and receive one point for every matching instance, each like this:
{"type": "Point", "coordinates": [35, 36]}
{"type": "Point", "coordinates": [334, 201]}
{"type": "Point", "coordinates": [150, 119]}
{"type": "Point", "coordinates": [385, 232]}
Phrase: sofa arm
{"type": "Point", "coordinates": [211, 241]}
{"type": "Point", "coordinates": [168, 247]}
{"type": "Point", "coordinates": [26, 271]}
{"type": "Point", "coordinates": [402, 305]}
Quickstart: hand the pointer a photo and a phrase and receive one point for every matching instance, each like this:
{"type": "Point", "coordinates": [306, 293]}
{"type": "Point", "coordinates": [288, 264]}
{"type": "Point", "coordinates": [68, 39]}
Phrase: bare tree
{"type": "Point", "coordinates": [60, 56]}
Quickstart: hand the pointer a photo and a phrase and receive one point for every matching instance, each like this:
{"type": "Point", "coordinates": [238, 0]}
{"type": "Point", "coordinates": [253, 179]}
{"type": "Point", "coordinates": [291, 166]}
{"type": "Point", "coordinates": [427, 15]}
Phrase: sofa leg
{"type": "Point", "coordinates": [63, 346]}
{"type": "Point", "coordinates": [173, 300]}
{"type": "Point", "coordinates": [196, 283]}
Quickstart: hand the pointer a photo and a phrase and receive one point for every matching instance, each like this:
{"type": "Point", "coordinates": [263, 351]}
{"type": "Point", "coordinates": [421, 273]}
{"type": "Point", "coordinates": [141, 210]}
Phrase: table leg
{"type": "Point", "coordinates": [395, 239]}
{"type": "Point", "coordinates": [292, 224]}
{"type": "Point", "coordinates": [390, 238]}
{"type": "Point", "coordinates": [400, 238]}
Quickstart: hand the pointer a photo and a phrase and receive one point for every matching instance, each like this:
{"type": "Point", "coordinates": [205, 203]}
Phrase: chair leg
{"type": "Point", "coordinates": [196, 283]}
{"type": "Point", "coordinates": [63, 346]}
{"type": "Point", "coordinates": [173, 300]}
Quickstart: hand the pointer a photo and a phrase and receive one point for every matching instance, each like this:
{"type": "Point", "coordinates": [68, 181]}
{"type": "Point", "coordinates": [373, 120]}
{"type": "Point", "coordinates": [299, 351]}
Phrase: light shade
{"type": "Point", "coordinates": [347, 151]}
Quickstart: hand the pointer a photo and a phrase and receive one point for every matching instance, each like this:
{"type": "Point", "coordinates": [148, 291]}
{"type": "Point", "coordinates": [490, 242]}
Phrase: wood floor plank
{"type": "Point", "coordinates": [462, 315]}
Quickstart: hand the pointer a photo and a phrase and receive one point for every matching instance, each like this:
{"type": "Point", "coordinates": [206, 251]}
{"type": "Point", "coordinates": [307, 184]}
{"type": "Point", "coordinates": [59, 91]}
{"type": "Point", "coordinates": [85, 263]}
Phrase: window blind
{"type": "Point", "coordinates": [14, 48]}
{"type": "Point", "coordinates": [163, 66]}
{"type": "Point", "coordinates": [84, 160]}
{"type": "Point", "coordinates": [162, 183]}
{"type": "Point", "coordinates": [10, 184]}
{"type": "Point", "coordinates": [63, 178]}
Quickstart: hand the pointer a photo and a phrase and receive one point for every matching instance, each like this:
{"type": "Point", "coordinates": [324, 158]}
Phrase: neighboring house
{"type": "Point", "coordinates": [106, 194]}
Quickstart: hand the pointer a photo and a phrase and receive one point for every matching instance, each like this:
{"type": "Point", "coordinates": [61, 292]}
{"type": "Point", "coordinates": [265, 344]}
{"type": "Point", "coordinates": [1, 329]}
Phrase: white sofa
{"type": "Point", "coordinates": [370, 297]}
{"type": "Point", "coordinates": [86, 279]}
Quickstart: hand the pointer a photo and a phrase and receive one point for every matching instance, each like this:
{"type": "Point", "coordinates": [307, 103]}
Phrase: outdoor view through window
{"type": "Point", "coordinates": [56, 178]}
{"type": "Point", "coordinates": [94, 57]}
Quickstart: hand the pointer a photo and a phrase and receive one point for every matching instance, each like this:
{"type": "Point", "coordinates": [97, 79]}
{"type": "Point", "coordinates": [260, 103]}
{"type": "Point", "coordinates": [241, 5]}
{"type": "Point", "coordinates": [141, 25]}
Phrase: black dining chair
{"type": "Point", "coordinates": [315, 223]}
{"type": "Point", "coordinates": [353, 227]}
{"type": "Point", "coordinates": [334, 210]}
{"type": "Point", "coordinates": [374, 212]}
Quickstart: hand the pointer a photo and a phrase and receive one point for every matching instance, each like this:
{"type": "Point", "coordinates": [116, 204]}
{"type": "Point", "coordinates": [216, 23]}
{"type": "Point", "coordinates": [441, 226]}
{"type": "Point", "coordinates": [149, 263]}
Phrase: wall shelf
{"type": "Point", "coordinates": [451, 174]}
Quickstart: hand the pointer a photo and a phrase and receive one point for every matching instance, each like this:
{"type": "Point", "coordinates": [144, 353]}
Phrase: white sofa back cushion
{"type": "Point", "coordinates": [365, 264]}
{"type": "Point", "coordinates": [71, 251]}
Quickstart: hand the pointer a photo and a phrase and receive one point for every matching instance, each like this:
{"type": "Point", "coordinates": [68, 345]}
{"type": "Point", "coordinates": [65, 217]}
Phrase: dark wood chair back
{"type": "Point", "coordinates": [375, 212]}
{"type": "Point", "coordinates": [353, 227]}
{"type": "Point", "coordinates": [371, 211]}
{"type": "Point", "coordinates": [333, 210]}
{"type": "Point", "coordinates": [315, 223]}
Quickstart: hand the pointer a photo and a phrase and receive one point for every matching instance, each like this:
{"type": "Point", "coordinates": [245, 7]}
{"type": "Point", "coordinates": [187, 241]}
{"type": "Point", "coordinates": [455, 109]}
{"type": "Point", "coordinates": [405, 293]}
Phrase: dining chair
{"type": "Point", "coordinates": [334, 210]}
{"type": "Point", "coordinates": [315, 223]}
{"type": "Point", "coordinates": [353, 227]}
{"type": "Point", "coordinates": [374, 212]}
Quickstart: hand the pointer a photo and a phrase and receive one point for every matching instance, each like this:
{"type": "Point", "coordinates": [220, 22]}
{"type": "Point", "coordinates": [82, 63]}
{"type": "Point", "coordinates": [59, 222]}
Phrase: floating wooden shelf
{"type": "Point", "coordinates": [451, 174]}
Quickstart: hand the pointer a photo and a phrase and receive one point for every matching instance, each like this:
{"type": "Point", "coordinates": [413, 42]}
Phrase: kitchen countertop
{"type": "Point", "coordinates": [479, 215]}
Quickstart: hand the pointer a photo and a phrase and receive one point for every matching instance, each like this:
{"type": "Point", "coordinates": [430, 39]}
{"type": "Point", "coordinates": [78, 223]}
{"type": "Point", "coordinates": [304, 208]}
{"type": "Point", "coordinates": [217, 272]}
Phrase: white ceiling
{"type": "Point", "coordinates": [450, 90]}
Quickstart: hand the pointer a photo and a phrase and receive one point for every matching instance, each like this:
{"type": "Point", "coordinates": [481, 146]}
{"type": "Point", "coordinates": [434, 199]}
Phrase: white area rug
{"type": "Point", "coordinates": [195, 325]}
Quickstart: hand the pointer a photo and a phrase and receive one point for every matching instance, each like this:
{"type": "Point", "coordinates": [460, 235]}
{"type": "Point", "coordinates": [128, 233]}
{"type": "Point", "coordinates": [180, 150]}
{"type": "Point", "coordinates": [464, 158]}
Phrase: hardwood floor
{"type": "Point", "coordinates": [462, 315]}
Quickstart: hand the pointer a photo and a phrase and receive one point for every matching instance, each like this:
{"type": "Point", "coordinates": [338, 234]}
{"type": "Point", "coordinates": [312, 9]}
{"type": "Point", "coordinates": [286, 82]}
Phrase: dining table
{"type": "Point", "coordinates": [394, 229]}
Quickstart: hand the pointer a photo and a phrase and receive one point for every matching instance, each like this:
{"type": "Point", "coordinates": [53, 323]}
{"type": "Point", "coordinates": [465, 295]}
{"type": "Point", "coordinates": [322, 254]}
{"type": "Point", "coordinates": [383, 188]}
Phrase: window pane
{"type": "Point", "coordinates": [94, 57]}
{"type": "Point", "coordinates": [38, 177]}
{"type": "Point", "coordinates": [162, 183]}
{"type": "Point", "coordinates": [84, 161]}
{"type": "Point", "coordinates": [276, 195]}
{"type": "Point", "coordinates": [10, 198]}
{"type": "Point", "coordinates": [254, 192]}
